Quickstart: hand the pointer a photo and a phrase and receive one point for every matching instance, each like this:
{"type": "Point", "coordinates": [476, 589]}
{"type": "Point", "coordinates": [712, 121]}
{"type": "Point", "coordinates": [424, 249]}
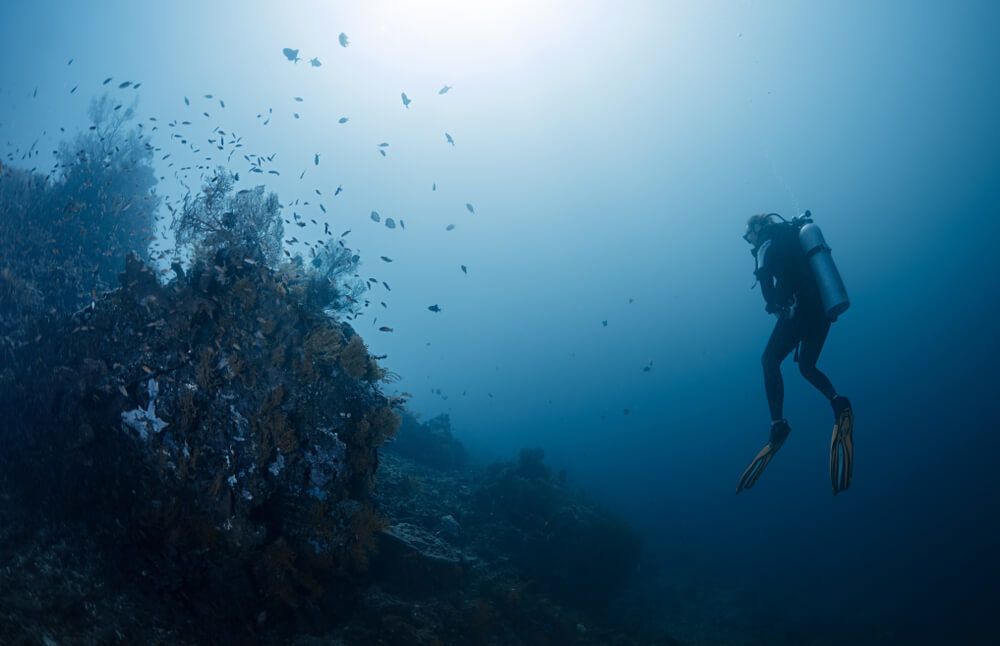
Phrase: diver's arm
{"type": "Point", "coordinates": [769, 291]}
{"type": "Point", "coordinates": [766, 262]}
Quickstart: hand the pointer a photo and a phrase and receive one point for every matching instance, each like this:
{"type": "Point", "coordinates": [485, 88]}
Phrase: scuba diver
{"type": "Point", "coordinates": [802, 287]}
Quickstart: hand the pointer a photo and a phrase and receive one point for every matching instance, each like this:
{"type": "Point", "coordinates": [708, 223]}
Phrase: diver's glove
{"type": "Point", "coordinates": [779, 433]}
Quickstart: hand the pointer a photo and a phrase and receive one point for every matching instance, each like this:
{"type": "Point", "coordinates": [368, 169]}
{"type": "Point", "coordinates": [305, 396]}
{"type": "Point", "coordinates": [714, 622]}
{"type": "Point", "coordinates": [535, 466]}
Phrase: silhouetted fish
{"type": "Point", "coordinates": [448, 138]}
{"type": "Point", "coordinates": [469, 207]}
{"type": "Point", "coordinates": [444, 90]}
{"type": "Point", "coordinates": [343, 39]}
{"type": "Point", "coordinates": [406, 100]}
{"type": "Point", "coordinates": [434, 308]}
{"type": "Point", "coordinates": [315, 62]}
{"type": "Point", "coordinates": [342, 120]}
{"type": "Point", "coordinates": [291, 54]}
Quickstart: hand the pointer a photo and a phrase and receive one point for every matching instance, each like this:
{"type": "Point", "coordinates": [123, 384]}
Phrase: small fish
{"type": "Point", "coordinates": [342, 120]}
{"type": "Point", "coordinates": [187, 101]}
{"type": "Point", "coordinates": [385, 328]}
{"type": "Point", "coordinates": [295, 114]}
{"type": "Point", "coordinates": [74, 89]}
{"type": "Point", "coordinates": [434, 308]}
{"type": "Point", "coordinates": [124, 84]}
{"type": "Point", "coordinates": [316, 159]}
{"type": "Point", "coordinates": [469, 207]}
{"type": "Point", "coordinates": [448, 138]}
{"type": "Point", "coordinates": [381, 152]}
{"type": "Point", "coordinates": [315, 62]}
{"type": "Point", "coordinates": [390, 223]}
{"type": "Point", "coordinates": [626, 411]}
{"type": "Point", "coordinates": [298, 99]}
{"type": "Point", "coordinates": [383, 145]}
{"type": "Point", "coordinates": [406, 100]}
{"type": "Point", "coordinates": [209, 96]}
{"type": "Point", "coordinates": [449, 227]}
{"type": "Point", "coordinates": [70, 62]}
{"type": "Point", "coordinates": [222, 104]}
{"type": "Point", "coordinates": [434, 186]}
{"type": "Point", "coordinates": [343, 39]}
{"type": "Point", "coordinates": [291, 54]}
{"type": "Point", "coordinates": [465, 270]}
{"type": "Point", "coordinates": [337, 192]}
{"type": "Point", "coordinates": [376, 217]}
{"type": "Point", "coordinates": [106, 81]}
{"type": "Point", "coordinates": [444, 90]}
{"type": "Point", "coordinates": [386, 258]}
{"type": "Point", "coordinates": [604, 323]}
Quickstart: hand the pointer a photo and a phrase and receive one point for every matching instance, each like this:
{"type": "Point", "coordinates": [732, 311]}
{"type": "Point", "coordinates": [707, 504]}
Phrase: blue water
{"type": "Point", "coordinates": [612, 153]}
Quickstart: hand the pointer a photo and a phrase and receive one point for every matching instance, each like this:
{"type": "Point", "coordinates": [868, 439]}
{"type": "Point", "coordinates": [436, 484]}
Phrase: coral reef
{"type": "Point", "coordinates": [430, 442]}
{"type": "Point", "coordinates": [172, 426]}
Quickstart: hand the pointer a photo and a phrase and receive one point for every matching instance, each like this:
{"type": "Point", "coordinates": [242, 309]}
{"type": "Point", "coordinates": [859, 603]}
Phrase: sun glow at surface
{"type": "Point", "coordinates": [463, 37]}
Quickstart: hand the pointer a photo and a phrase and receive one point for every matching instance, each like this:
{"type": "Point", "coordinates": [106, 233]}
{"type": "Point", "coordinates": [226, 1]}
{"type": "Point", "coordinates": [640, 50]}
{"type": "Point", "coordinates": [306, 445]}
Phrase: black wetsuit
{"type": "Point", "coordinates": [791, 293]}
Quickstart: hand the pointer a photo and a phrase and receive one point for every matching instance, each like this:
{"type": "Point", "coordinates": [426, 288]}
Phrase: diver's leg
{"type": "Point", "coordinates": [813, 337]}
{"type": "Point", "coordinates": [842, 441]}
{"type": "Point", "coordinates": [782, 341]}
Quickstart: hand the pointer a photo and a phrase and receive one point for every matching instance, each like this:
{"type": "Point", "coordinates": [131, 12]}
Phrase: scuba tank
{"type": "Point", "coordinates": [832, 292]}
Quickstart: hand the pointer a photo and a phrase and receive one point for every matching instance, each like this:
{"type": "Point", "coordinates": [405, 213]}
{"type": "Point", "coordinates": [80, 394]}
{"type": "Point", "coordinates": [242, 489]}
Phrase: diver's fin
{"type": "Point", "coordinates": [779, 432]}
{"type": "Point", "coordinates": [842, 445]}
